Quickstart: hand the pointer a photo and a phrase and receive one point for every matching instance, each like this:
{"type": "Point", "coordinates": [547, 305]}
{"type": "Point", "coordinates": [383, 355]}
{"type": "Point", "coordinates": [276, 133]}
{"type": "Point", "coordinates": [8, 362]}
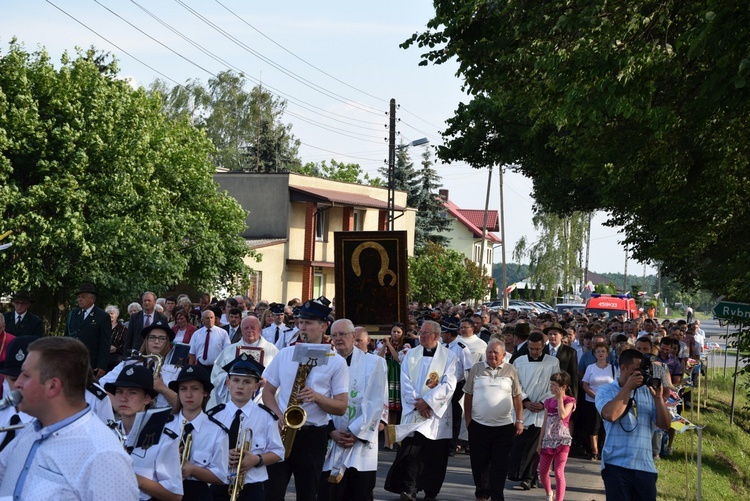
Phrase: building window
{"type": "Point", "coordinates": [319, 284]}
{"type": "Point", "coordinates": [359, 219]}
{"type": "Point", "coordinates": [321, 224]}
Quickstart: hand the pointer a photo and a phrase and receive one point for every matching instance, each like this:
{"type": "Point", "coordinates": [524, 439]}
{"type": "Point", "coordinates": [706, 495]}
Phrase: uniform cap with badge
{"type": "Point", "coordinates": [316, 309]}
{"type": "Point", "coordinates": [244, 365]}
{"type": "Point", "coordinates": [133, 376]}
{"type": "Point", "coordinates": [192, 373]}
{"type": "Point", "coordinates": [277, 308]}
{"type": "Point", "coordinates": [159, 325]}
{"type": "Point", "coordinates": [18, 349]}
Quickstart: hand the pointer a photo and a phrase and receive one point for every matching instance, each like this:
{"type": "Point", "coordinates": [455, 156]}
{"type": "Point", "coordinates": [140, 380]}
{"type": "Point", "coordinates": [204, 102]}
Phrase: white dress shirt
{"type": "Point", "coordinates": [210, 447]}
{"type": "Point", "coordinates": [218, 341]}
{"type": "Point", "coordinates": [169, 373]}
{"type": "Point", "coordinates": [220, 393]}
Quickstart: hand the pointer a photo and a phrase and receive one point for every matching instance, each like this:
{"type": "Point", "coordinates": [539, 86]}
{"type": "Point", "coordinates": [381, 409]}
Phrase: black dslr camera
{"type": "Point", "coordinates": [647, 371]}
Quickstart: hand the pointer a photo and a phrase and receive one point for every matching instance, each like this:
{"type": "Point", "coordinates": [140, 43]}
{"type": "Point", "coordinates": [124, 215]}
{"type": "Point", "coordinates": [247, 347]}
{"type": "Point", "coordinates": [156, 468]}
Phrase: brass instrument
{"type": "Point", "coordinates": [187, 444]}
{"type": "Point", "coordinates": [12, 427]}
{"type": "Point", "coordinates": [237, 479]}
{"type": "Point", "coordinates": [157, 359]}
{"type": "Point", "coordinates": [294, 415]}
{"type": "Point", "coordinates": [112, 425]}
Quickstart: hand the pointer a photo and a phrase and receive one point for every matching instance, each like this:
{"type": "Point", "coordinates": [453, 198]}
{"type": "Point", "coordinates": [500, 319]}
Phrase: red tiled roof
{"type": "Point", "coordinates": [341, 198]}
{"type": "Point", "coordinates": [458, 213]}
{"type": "Point", "coordinates": [476, 217]}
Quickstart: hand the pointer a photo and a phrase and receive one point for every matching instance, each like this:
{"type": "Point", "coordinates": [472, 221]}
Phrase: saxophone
{"type": "Point", "coordinates": [158, 361]}
{"type": "Point", "coordinates": [294, 415]}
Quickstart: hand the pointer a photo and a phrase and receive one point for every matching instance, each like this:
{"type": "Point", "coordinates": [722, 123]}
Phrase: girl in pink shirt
{"type": "Point", "coordinates": [555, 439]}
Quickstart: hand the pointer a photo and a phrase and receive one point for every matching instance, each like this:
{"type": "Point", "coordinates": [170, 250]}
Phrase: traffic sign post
{"type": "Point", "coordinates": [729, 310]}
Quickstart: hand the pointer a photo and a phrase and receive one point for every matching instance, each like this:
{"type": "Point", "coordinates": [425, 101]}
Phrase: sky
{"type": "Point", "coordinates": [337, 63]}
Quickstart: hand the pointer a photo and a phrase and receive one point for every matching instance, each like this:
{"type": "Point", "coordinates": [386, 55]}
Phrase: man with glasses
{"type": "Point", "coordinates": [351, 465]}
{"type": "Point", "coordinates": [428, 380]}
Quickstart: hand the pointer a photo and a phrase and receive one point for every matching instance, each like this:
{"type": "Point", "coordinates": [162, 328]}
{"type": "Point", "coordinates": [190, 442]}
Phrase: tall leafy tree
{"type": "Point", "coordinates": [98, 185]}
{"type": "Point", "coordinates": [636, 108]}
{"type": "Point", "coordinates": [245, 127]}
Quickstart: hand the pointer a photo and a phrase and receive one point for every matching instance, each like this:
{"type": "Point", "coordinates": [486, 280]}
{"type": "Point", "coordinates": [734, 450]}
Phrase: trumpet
{"type": "Point", "coordinates": [237, 479]}
{"type": "Point", "coordinates": [187, 444]}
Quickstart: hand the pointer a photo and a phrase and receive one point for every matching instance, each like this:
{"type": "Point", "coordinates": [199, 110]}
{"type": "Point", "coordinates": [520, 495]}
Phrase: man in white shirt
{"type": "Point", "coordinates": [463, 364]}
{"type": "Point", "coordinates": [66, 453]}
{"type": "Point", "coordinates": [476, 346]}
{"type": "Point", "coordinates": [207, 342]}
{"type": "Point", "coordinates": [274, 332]}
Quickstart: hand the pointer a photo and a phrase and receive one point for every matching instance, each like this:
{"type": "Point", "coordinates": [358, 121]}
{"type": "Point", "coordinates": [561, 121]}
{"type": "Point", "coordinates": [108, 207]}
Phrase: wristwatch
{"type": "Point", "coordinates": [260, 461]}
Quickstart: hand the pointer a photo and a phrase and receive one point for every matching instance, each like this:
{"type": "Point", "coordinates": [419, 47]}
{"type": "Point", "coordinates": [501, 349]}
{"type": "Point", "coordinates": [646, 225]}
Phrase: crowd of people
{"type": "Point", "coordinates": [230, 399]}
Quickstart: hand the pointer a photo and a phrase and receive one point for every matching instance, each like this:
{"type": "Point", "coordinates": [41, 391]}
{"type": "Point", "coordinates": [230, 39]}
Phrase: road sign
{"type": "Point", "coordinates": [730, 310]}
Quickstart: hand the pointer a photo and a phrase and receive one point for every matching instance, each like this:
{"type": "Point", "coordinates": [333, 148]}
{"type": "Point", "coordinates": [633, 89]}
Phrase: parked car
{"type": "Point", "coordinates": [712, 346]}
{"type": "Point", "coordinates": [571, 307]}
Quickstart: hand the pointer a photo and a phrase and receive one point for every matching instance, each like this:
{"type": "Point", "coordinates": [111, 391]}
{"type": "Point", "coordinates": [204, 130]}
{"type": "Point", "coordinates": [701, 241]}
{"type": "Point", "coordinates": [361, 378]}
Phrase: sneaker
{"type": "Point", "coordinates": [670, 450]}
{"type": "Point", "coordinates": [407, 496]}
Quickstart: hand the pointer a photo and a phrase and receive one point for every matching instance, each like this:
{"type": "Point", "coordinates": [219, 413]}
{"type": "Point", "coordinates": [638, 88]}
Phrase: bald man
{"type": "Point", "coordinates": [252, 342]}
{"type": "Point", "coordinates": [362, 339]}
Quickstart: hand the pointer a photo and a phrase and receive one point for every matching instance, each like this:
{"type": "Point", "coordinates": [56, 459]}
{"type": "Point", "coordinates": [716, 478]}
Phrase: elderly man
{"type": "Point", "coordinates": [325, 393]}
{"type": "Point", "coordinates": [350, 468]}
{"type": "Point", "coordinates": [92, 326]}
{"type": "Point", "coordinates": [20, 321]}
{"type": "Point", "coordinates": [362, 339]}
{"type": "Point", "coordinates": [207, 342]}
{"type": "Point", "coordinates": [534, 372]}
{"type": "Point", "coordinates": [492, 400]}
{"type": "Point", "coordinates": [66, 453]}
{"type": "Point", "coordinates": [140, 321]}
{"type": "Point", "coordinates": [251, 342]}
{"type": "Point", "coordinates": [428, 380]}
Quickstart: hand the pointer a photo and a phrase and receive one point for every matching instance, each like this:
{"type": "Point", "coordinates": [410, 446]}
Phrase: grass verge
{"type": "Point", "coordinates": [725, 465]}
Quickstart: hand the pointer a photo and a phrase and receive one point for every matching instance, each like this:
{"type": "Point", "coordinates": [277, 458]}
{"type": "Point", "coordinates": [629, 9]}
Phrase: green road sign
{"type": "Point", "coordinates": [730, 310]}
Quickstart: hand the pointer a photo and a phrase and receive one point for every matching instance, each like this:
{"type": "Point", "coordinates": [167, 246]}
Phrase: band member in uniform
{"type": "Point", "coordinates": [157, 468]}
{"type": "Point", "coordinates": [352, 460]}
{"type": "Point", "coordinates": [428, 379]}
{"type": "Point", "coordinates": [239, 414]}
{"type": "Point", "coordinates": [206, 460]}
{"type": "Point", "coordinates": [251, 338]}
{"type": "Point", "coordinates": [325, 392]}
{"type": "Point", "coordinates": [274, 332]}
{"type": "Point", "coordinates": [157, 339]}
{"type": "Point", "coordinates": [66, 453]}
{"type": "Point", "coordinates": [464, 362]}
{"type": "Point", "coordinates": [18, 349]}
{"type": "Point", "coordinates": [97, 399]}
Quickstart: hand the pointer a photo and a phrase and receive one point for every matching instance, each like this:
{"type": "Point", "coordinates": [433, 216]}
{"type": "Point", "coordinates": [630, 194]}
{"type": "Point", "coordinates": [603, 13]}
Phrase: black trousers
{"type": "Point", "coordinates": [490, 452]}
{"type": "Point", "coordinates": [305, 462]}
{"type": "Point", "coordinates": [457, 411]}
{"type": "Point", "coordinates": [195, 490]}
{"type": "Point", "coordinates": [523, 457]}
{"type": "Point", "coordinates": [420, 464]}
{"type": "Point", "coordinates": [354, 486]}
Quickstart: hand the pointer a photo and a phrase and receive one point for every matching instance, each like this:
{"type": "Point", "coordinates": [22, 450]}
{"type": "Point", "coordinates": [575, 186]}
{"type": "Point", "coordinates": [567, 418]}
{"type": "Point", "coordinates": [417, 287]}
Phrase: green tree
{"type": "Point", "coordinates": [636, 108]}
{"type": "Point", "coordinates": [245, 126]}
{"type": "Point", "coordinates": [339, 171]}
{"type": "Point", "coordinates": [439, 273]}
{"type": "Point", "coordinates": [430, 220]}
{"type": "Point", "coordinates": [405, 177]}
{"type": "Point", "coordinates": [99, 185]}
{"type": "Point", "coordinates": [555, 257]}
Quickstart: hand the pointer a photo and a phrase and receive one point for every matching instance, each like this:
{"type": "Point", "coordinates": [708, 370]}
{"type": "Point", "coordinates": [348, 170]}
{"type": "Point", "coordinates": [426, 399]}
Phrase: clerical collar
{"type": "Point", "coordinates": [537, 359]}
{"type": "Point", "coordinates": [349, 358]}
{"type": "Point", "coordinates": [428, 352]}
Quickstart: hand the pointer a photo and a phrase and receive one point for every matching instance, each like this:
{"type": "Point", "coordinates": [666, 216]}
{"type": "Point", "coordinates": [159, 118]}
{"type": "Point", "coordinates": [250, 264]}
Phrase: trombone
{"type": "Point", "coordinates": [237, 479]}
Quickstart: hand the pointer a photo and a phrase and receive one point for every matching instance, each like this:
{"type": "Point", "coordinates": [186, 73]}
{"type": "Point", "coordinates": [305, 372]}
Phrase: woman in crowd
{"type": "Point", "coordinates": [597, 375]}
{"type": "Point", "coordinates": [394, 349]}
{"type": "Point", "coordinates": [118, 337]}
{"type": "Point", "coordinates": [182, 328]}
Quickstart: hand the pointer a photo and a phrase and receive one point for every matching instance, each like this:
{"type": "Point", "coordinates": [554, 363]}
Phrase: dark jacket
{"type": "Point", "coordinates": [30, 326]}
{"type": "Point", "coordinates": [568, 358]}
{"type": "Point", "coordinates": [95, 332]}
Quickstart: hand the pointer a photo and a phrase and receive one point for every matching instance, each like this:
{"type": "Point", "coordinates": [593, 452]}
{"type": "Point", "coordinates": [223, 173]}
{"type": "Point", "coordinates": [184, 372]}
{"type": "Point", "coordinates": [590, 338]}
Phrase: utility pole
{"type": "Point", "coordinates": [625, 284]}
{"type": "Point", "coordinates": [484, 226]}
{"type": "Point", "coordinates": [391, 164]}
{"type": "Point", "coordinates": [588, 249]}
{"type": "Point", "coordinates": [502, 238]}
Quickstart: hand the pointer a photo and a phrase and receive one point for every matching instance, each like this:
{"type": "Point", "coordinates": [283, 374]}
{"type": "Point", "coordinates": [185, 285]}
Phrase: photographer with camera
{"type": "Point", "coordinates": [630, 407]}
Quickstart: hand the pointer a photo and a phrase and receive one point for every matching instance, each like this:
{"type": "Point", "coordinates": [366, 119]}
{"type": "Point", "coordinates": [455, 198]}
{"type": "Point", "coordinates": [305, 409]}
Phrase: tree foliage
{"type": "Point", "coordinates": [99, 185]}
{"type": "Point", "coordinates": [430, 220]}
{"type": "Point", "coordinates": [555, 258]}
{"type": "Point", "coordinates": [438, 274]}
{"type": "Point", "coordinates": [339, 171]}
{"type": "Point", "coordinates": [245, 126]}
{"type": "Point", "coordinates": [636, 108]}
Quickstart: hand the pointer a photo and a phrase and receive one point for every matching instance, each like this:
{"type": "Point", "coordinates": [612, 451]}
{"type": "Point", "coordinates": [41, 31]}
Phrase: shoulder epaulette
{"type": "Point", "coordinates": [213, 410]}
{"type": "Point", "coordinates": [170, 418]}
{"type": "Point", "coordinates": [290, 329]}
{"type": "Point", "coordinates": [96, 390]}
{"type": "Point", "coordinates": [217, 422]}
{"type": "Point", "coordinates": [461, 345]}
{"type": "Point", "coordinates": [268, 410]}
{"type": "Point", "coordinates": [170, 433]}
